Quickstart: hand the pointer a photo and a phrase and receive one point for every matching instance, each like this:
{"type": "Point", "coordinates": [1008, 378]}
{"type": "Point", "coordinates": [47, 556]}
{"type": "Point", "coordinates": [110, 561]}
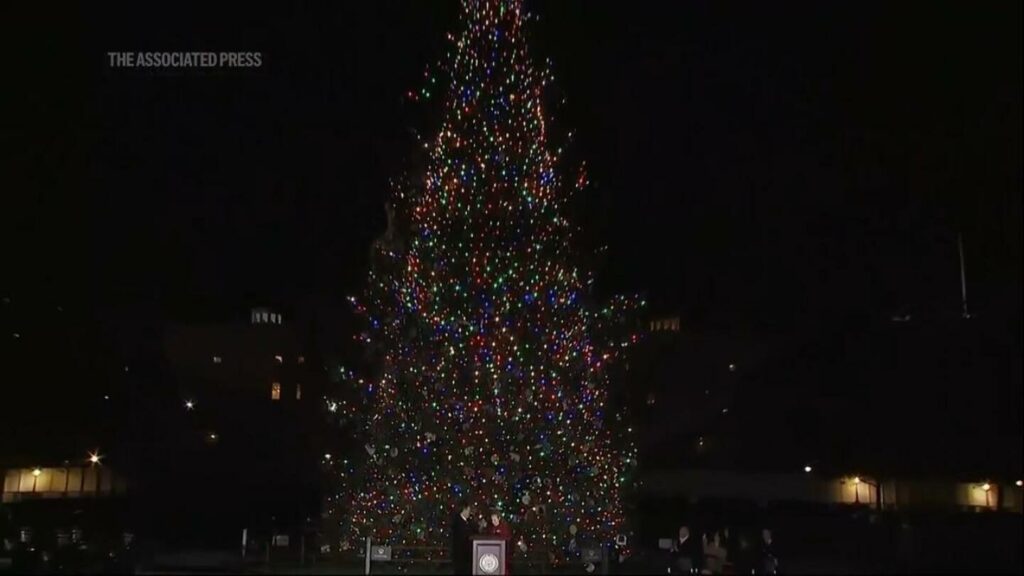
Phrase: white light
{"type": "Point", "coordinates": [36, 472]}
{"type": "Point", "coordinates": [106, 397]}
{"type": "Point", "coordinates": [189, 405]}
{"type": "Point", "coordinates": [1019, 483]}
{"type": "Point", "coordinates": [94, 457]}
{"type": "Point", "coordinates": [986, 486]}
{"type": "Point", "coordinates": [732, 367]}
{"type": "Point", "coordinates": [856, 479]}
{"type": "Point", "coordinates": [807, 469]}
{"type": "Point", "coordinates": [327, 456]}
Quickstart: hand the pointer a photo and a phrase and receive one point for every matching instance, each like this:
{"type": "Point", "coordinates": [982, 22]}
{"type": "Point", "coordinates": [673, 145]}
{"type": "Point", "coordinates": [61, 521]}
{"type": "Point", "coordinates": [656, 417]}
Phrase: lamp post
{"type": "Point", "coordinates": [857, 481]}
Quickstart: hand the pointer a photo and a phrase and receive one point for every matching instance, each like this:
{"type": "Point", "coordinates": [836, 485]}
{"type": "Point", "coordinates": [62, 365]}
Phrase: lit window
{"type": "Point", "coordinates": [263, 316]}
{"type": "Point", "coordinates": [279, 358]}
{"type": "Point", "coordinates": [302, 359]}
{"type": "Point", "coordinates": [275, 391]}
{"type": "Point", "coordinates": [216, 359]}
{"type": "Point", "coordinates": [298, 391]}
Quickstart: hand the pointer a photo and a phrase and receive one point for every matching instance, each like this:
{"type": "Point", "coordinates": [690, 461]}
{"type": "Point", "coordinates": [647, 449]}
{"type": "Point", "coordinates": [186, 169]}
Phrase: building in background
{"type": "Point", "coordinates": [244, 431]}
{"type": "Point", "coordinates": [921, 406]}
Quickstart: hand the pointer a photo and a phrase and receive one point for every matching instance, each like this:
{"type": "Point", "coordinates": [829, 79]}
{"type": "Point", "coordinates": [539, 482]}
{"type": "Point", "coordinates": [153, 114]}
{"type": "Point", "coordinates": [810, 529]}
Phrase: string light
{"type": "Point", "coordinates": [494, 360]}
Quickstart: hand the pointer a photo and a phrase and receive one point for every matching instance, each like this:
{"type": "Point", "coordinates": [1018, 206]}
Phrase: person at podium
{"type": "Point", "coordinates": [462, 534]}
{"type": "Point", "coordinates": [500, 529]}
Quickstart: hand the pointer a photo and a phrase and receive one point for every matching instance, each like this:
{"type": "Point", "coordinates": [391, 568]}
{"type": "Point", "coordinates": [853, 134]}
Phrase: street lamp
{"type": "Point", "coordinates": [987, 488]}
{"type": "Point", "coordinates": [36, 472]}
{"type": "Point", "coordinates": [857, 481]}
{"type": "Point", "coordinates": [807, 469]}
{"type": "Point", "coordinates": [94, 457]}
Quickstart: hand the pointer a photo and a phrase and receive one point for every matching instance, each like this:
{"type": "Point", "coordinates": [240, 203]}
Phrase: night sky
{"type": "Point", "coordinates": [752, 164]}
{"type": "Point", "coordinates": [783, 165]}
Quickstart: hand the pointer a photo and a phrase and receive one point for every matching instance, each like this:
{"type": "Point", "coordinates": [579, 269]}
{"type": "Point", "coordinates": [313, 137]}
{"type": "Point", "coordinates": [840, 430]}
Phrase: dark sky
{"type": "Point", "coordinates": [752, 163]}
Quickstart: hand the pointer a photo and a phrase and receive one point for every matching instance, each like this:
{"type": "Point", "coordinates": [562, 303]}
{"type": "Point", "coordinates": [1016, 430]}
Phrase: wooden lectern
{"type": "Point", "coordinates": [488, 555]}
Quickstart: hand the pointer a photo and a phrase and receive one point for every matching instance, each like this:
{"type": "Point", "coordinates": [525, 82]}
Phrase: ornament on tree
{"type": "Point", "coordinates": [572, 529]}
{"type": "Point", "coordinates": [476, 324]}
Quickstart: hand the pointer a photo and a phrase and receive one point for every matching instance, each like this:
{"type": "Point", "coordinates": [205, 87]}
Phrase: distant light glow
{"type": "Point", "coordinates": [807, 469]}
{"type": "Point", "coordinates": [986, 486]}
{"type": "Point", "coordinates": [190, 405]}
{"type": "Point", "coordinates": [95, 457]}
{"type": "Point", "coordinates": [37, 471]}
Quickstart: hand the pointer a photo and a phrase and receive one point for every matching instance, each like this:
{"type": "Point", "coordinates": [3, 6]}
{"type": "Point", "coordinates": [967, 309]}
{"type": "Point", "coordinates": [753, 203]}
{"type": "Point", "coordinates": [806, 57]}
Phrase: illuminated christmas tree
{"type": "Point", "coordinates": [491, 359]}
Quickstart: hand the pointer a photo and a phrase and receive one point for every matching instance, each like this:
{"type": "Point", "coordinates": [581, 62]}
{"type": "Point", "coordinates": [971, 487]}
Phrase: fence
{"type": "Point", "coordinates": [536, 561]}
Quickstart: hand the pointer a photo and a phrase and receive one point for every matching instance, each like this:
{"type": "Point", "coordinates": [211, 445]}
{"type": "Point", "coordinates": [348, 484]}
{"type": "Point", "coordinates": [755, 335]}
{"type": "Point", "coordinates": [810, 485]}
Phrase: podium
{"type": "Point", "coordinates": [488, 556]}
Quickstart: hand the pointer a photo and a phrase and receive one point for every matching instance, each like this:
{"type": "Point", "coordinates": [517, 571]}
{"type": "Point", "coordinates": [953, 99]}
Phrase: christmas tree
{"type": "Point", "coordinates": [491, 358]}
